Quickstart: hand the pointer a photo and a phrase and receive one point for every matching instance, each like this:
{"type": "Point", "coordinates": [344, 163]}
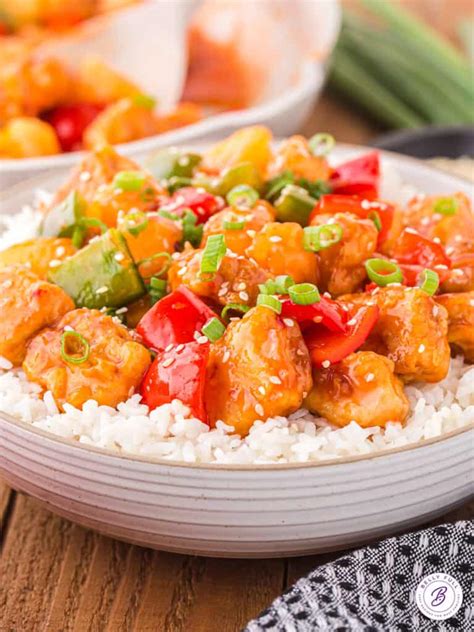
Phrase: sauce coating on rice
{"type": "Point", "coordinates": [248, 283]}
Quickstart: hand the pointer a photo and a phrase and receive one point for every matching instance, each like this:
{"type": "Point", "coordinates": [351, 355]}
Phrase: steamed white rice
{"type": "Point", "coordinates": [169, 432]}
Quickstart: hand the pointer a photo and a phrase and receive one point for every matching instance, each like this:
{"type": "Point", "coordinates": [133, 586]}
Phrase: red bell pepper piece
{"type": "Point", "coordinates": [326, 312]}
{"type": "Point", "coordinates": [174, 319]}
{"type": "Point", "coordinates": [360, 176]}
{"type": "Point", "coordinates": [331, 346]}
{"type": "Point", "coordinates": [70, 122]}
{"type": "Point", "coordinates": [199, 201]}
{"type": "Point", "coordinates": [361, 207]}
{"type": "Point", "coordinates": [413, 248]}
{"type": "Point", "coordinates": [178, 374]}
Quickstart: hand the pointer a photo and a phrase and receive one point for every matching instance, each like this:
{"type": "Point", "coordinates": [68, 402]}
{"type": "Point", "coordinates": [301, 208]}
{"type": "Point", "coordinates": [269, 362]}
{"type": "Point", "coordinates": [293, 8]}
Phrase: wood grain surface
{"type": "Point", "coordinates": [58, 577]}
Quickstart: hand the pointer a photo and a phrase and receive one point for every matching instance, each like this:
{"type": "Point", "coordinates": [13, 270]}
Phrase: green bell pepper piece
{"type": "Point", "coordinates": [243, 173]}
{"type": "Point", "coordinates": [61, 220]}
{"type": "Point", "coordinates": [294, 205]}
{"type": "Point", "coordinates": [102, 274]}
{"type": "Point", "coordinates": [171, 162]}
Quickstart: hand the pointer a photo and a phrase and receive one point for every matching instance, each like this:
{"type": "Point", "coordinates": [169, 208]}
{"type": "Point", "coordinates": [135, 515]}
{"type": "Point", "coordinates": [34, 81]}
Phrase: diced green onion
{"type": "Point", "coordinates": [213, 254]}
{"type": "Point", "coordinates": [135, 222]}
{"type": "Point", "coordinates": [321, 144]}
{"type": "Point", "coordinates": [78, 235]}
{"type": "Point", "coordinates": [267, 300]}
{"type": "Point", "coordinates": [276, 185]}
{"type": "Point", "coordinates": [446, 206]}
{"type": "Point", "coordinates": [178, 182]}
{"type": "Point", "coordinates": [213, 329]}
{"type": "Point", "coordinates": [93, 222]}
{"type": "Point", "coordinates": [383, 272]}
{"type": "Point", "coordinates": [157, 289]}
{"type": "Point", "coordinates": [279, 285]}
{"type": "Point", "coordinates": [144, 101]}
{"type": "Point", "coordinates": [318, 238]}
{"type": "Point", "coordinates": [234, 225]}
{"type": "Point", "coordinates": [169, 215]}
{"type": "Point", "coordinates": [429, 281]}
{"type": "Point", "coordinates": [234, 307]}
{"type": "Point", "coordinates": [192, 231]}
{"type": "Point", "coordinates": [74, 336]}
{"type": "Point", "coordinates": [375, 217]}
{"type": "Point", "coordinates": [242, 196]}
{"type": "Point", "coordinates": [157, 255]}
{"type": "Point", "coordinates": [129, 180]}
{"type": "Point", "coordinates": [304, 294]}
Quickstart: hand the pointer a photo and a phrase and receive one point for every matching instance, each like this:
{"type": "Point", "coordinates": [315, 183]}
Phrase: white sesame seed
{"type": "Point", "coordinates": [54, 263]}
{"type": "Point", "coordinates": [351, 322]}
{"type": "Point", "coordinates": [167, 362]}
{"type": "Point", "coordinates": [68, 328]}
{"type": "Point", "coordinates": [122, 310]}
{"type": "Point", "coordinates": [85, 176]}
{"type": "Point", "coordinates": [435, 310]}
{"type": "Point", "coordinates": [289, 322]}
{"type": "Point", "coordinates": [179, 348]}
{"type": "Point", "coordinates": [274, 379]}
{"type": "Point", "coordinates": [345, 308]}
{"type": "Point", "coordinates": [317, 319]}
{"type": "Point", "coordinates": [119, 256]}
{"type": "Point", "coordinates": [259, 409]}
{"type": "Point", "coordinates": [365, 204]}
{"type": "Point", "coordinates": [8, 283]}
{"type": "Point", "coordinates": [326, 364]}
{"type": "Point", "coordinates": [327, 295]}
{"type": "Point", "coordinates": [437, 240]}
{"type": "Point", "coordinates": [421, 348]}
{"type": "Point", "coordinates": [425, 221]}
{"type": "Point", "coordinates": [169, 347]}
{"type": "Point", "coordinates": [243, 296]}
{"type": "Point", "coordinates": [471, 302]}
{"type": "Point", "coordinates": [275, 239]}
{"type": "Point", "coordinates": [261, 389]}
{"type": "Point", "coordinates": [60, 250]}
{"type": "Point", "coordinates": [441, 266]}
{"type": "Point", "coordinates": [251, 233]}
{"type": "Point", "coordinates": [202, 340]}
{"type": "Point", "coordinates": [458, 238]}
{"type": "Point", "coordinates": [369, 377]}
{"type": "Point", "coordinates": [226, 356]}
{"type": "Point", "coordinates": [118, 191]}
{"type": "Point", "coordinates": [231, 254]}
{"type": "Point", "coordinates": [241, 286]}
{"type": "Point", "coordinates": [102, 289]}
{"type": "Point", "coordinates": [412, 231]}
{"type": "Point", "coordinates": [182, 271]}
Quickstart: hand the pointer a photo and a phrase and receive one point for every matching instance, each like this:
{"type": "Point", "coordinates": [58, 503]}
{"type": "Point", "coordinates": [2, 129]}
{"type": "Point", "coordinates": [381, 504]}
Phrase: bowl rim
{"type": "Point", "coordinates": [107, 452]}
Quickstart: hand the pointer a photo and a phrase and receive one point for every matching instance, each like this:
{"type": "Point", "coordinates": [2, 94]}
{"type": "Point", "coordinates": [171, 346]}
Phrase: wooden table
{"type": "Point", "coordinates": [58, 577]}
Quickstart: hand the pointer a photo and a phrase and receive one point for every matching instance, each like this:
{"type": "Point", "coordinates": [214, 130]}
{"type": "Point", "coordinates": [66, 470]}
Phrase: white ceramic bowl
{"type": "Point", "coordinates": [243, 511]}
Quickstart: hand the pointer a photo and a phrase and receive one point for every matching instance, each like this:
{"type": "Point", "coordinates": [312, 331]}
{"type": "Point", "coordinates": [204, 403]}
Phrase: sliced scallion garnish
{"type": "Point", "coordinates": [129, 180]}
{"type": "Point", "coordinates": [304, 294]}
{"type": "Point", "coordinates": [157, 255]}
{"type": "Point", "coordinates": [279, 285]}
{"type": "Point", "coordinates": [213, 329]}
{"type": "Point", "coordinates": [213, 254]}
{"type": "Point", "coordinates": [157, 289]}
{"type": "Point", "coordinates": [192, 231]}
{"type": "Point", "coordinates": [318, 238]}
{"type": "Point", "coordinates": [429, 281]}
{"type": "Point", "coordinates": [272, 302]}
{"type": "Point", "coordinates": [234, 225]}
{"type": "Point", "coordinates": [446, 206]}
{"type": "Point", "coordinates": [242, 196]}
{"type": "Point", "coordinates": [375, 217]}
{"type": "Point", "coordinates": [234, 307]}
{"type": "Point", "coordinates": [135, 222]}
{"type": "Point", "coordinates": [321, 144]}
{"type": "Point", "coordinates": [276, 185]}
{"type": "Point", "coordinates": [383, 272]}
{"type": "Point", "coordinates": [73, 338]}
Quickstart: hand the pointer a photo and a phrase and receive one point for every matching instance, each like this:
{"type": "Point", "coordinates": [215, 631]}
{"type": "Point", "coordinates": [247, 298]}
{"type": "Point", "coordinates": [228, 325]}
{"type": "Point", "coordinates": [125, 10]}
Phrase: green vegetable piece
{"type": "Point", "coordinates": [244, 173]}
{"type": "Point", "coordinates": [275, 186]}
{"type": "Point", "coordinates": [103, 274]}
{"type": "Point", "coordinates": [169, 163]}
{"type": "Point", "coordinates": [294, 205]}
{"type": "Point", "coordinates": [61, 220]}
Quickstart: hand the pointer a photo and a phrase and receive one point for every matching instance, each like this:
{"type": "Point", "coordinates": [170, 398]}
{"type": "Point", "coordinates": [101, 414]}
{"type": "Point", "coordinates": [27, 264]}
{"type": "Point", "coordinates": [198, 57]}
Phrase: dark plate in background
{"type": "Point", "coordinates": [430, 142]}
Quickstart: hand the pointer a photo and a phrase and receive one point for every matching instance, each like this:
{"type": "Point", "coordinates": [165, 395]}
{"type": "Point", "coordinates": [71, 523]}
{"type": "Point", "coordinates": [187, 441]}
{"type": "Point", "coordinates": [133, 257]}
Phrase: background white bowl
{"type": "Point", "coordinates": [242, 511]}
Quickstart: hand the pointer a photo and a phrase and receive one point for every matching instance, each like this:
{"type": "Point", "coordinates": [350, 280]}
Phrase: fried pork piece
{"type": "Point", "coordinates": [114, 366]}
{"type": "Point", "coordinates": [459, 280]}
{"type": "Point", "coordinates": [294, 155]}
{"type": "Point", "coordinates": [342, 265]}
{"type": "Point", "coordinates": [460, 308]}
{"type": "Point", "coordinates": [38, 254]}
{"type": "Point", "coordinates": [412, 330]}
{"type": "Point", "coordinates": [278, 248]}
{"type": "Point", "coordinates": [361, 388]}
{"type": "Point", "coordinates": [27, 305]}
{"type": "Point", "coordinates": [239, 240]}
{"type": "Point", "coordinates": [260, 368]}
{"type": "Point", "coordinates": [236, 281]}
{"type": "Point", "coordinates": [159, 234]}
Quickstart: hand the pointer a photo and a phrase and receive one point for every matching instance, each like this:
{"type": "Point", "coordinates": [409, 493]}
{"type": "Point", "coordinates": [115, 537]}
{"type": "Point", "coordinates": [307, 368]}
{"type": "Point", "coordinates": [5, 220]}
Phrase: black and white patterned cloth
{"type": "Point", "coordinates": [373, 589]}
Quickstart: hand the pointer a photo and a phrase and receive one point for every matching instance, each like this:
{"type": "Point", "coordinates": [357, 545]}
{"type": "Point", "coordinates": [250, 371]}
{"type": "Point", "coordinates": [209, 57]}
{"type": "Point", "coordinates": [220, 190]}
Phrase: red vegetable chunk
{"type": "Point", "coordinates": [199, 201]}
{"type": "Point", "coordinates": [358, 177]}
{"type": "Point", "coordinates": [70, 121]}
{"type": "Point", "coordinates": [329, 346]}
{"type": "Point", "coordinates": [179, 373]}
{"type": "Point", "coordinates": [413, 248]}
{"type": "Point", "coordinates": [326, 312]}
{"type": "Point", "coordinates": [174, 319]}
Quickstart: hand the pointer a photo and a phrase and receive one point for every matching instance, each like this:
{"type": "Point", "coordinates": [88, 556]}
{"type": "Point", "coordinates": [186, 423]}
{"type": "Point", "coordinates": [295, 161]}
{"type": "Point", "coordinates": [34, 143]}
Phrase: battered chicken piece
{"type": "Point", "coordinates": [38, 255]}
{"type": "Point", "coordinates": [362, 388]}
{"type": "Point", "coordinates": [236, 281]}
{"type": "Point", "coordinates": [460, 308]}
{"type": "Point", "coordinates": [459, 280]}
{"type": "Point", "coordinates": [260, 368]}
{"type": "Point", "coordinates": [412, 330]}
{"type": "Point", "coordinates": [294, 155]}
{"type": "Point", "coordinates": [342, 265]}
{"type": "Point", "coordinates": [114, 367]}
{"type": "Point", "coordinates": [27, 305]}
{"type": "Point", "coordinates": [278, 248]}
{"type": "Point", "coordinates": [239, 240]}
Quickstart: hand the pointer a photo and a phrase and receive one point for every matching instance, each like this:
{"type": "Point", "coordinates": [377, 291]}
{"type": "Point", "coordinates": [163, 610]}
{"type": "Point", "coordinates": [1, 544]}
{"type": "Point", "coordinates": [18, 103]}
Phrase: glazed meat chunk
{"type": "Point", "coordinates": [236, 281]}
{"type": "Point", "coordinates": [294, 155]}
{"type": "Point", "coordinates": [362, 388]}
{"type": "Point", "coordinates": [238, 240]}
{"type": "Point", "coordinates": [27, 305]}
{"type": "Point", "coordinates": [342, 265]}
{"type": "Point", "coordinates": [412, 330]}
{"type": "Point", "coordinates": [278, 248]}
{"type": "Point", "coordinates": [460, 308]}
{"type": "Point", "coordinates": [39, 254]}
{"type": "Point", "coordinates": [260, 368]}
{"type": "Point", "coordinates": [114, 361]}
